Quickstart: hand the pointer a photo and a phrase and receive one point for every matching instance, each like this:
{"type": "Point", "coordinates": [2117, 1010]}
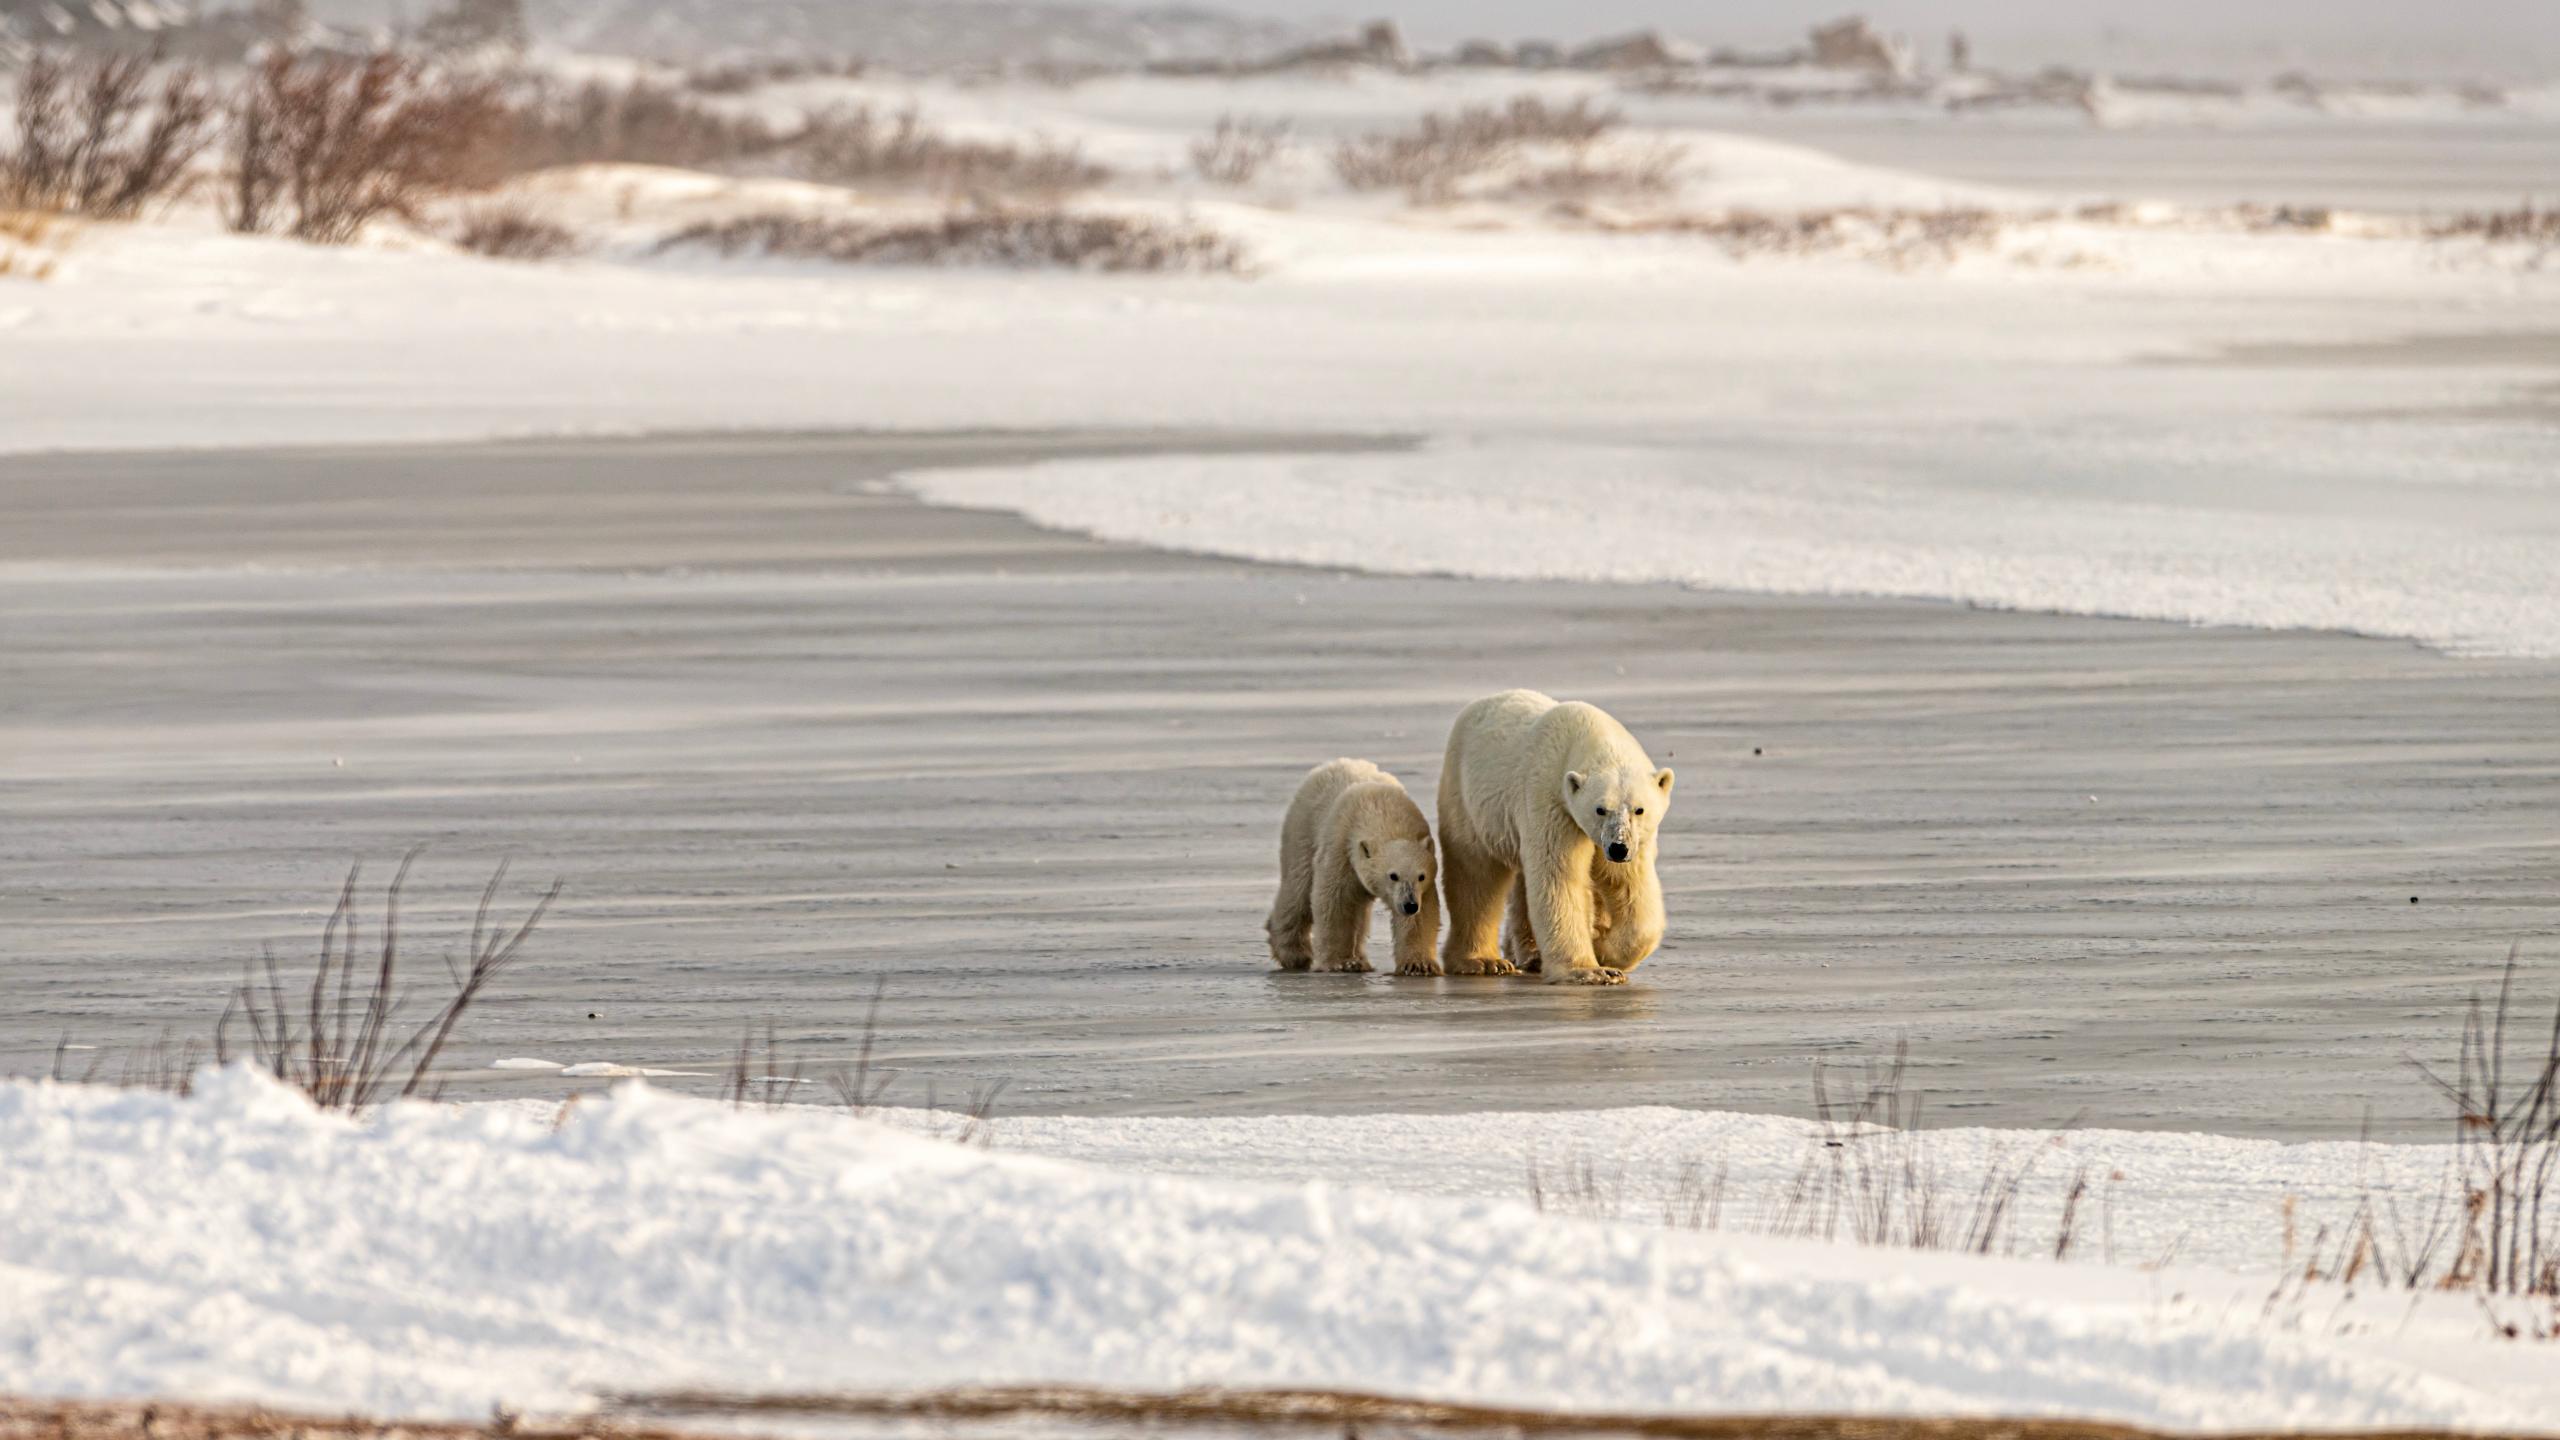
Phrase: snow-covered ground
{"type": "Point", "coordinates": [440, 1260]}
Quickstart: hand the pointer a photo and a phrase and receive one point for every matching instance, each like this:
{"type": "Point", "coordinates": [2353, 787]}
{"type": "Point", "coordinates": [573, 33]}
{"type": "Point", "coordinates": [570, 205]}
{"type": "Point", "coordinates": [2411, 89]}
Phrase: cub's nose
{"type": "Point", "coordinates": [1412, 907]}
{"type": "Point", "coordinates": [1618, 851]}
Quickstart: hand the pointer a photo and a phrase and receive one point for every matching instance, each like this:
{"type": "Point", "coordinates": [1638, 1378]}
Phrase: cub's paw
{"type": "Point", "coordinates": [1587, 975]}
{"type": "Point", "coordinates": [1486, 965]}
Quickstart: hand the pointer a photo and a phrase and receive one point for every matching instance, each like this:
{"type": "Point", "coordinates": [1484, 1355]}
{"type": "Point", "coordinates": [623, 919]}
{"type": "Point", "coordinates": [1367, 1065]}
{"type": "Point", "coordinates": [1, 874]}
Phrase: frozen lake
{"type": "Point", "coordinates": [784, 731]}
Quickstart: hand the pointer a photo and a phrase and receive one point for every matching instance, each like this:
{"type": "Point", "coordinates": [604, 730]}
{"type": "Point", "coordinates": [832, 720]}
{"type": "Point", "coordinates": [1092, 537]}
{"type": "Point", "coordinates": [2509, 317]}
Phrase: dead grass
{"type": "Point", "coordinates": [1002, 1409]}
{"type": "Point", "coordinates": [2525, 225]}
{"type": "Point", "coordinates": [2506, 1134]}
{"type": "Point", "coordinates": [507, 230]}
{"type": "Point", "coordinates": [857, 145]}
{"type": "Point", "coordinates": [1238, 149]}
{"type": "Point", "coordinates": [1625, 172]}
{"type": "Point", "coordinates": [97, 139]}
{"type": "Point", "coordinates": [345, 1042]}
{"type": "Point", "coordinates": [1433, 162]}
{"type": "Point", "coordinates": [1902, 238]}
{"type": "Point", "coordinates": [1016, 239]}
{"type": "Point", "coordinates": [31, 243]}
{"type": "Point", "coordinates": [1868, 1173]}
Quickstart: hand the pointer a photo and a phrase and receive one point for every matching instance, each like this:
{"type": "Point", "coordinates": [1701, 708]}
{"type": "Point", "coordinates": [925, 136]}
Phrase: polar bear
{"type": "Point", "coordinates": [1353, 836]}
{"type": "Point", "coordinates": [1550, 810]}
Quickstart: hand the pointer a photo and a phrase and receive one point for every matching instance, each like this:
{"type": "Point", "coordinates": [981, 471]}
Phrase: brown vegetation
{"type": "Point", "coordinates": [97, 139]}
{"type": "Point", "coordinates": [1024, 239]}
{"type": "Point", "coordinates": [1897, 237]}
{"type": "Point", "coordinates": [1238, 149]}
{"type": "Point", "coordinates": [504, 230]}
{"type": "Point", "coordinates": [641, 123]}
{"type": "Point", "coordinates": [352, 1045]}
{"type": "Point", "coordinates": [323, 145]}
{"type": "Point", "coordinates": [856, 145]}
{"type": "Point", "coordinates": [1432, 161]}
{"type": "Point", "coordinates": [29, 242]}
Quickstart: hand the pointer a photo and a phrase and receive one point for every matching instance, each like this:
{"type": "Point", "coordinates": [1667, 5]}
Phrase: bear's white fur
{"type": "Point", "coordinates": [1533, 796]}
{"type": "Point", "coordinates": [1354, 836]}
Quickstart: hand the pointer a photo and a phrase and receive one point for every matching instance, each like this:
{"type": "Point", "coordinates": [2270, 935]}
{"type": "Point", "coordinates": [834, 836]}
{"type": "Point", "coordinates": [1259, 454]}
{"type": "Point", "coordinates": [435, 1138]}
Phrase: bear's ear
{"type": "Point", "coordinates": [1364, 849]}
{"type": "Point", "coordinates": [1573, 782]}
{"type": "Point", "coordinates": [1662, 778]}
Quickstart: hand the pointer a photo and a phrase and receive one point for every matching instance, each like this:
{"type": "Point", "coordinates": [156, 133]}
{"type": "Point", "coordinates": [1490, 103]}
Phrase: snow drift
{"type": "Point", "coordinates": [436, 1261]}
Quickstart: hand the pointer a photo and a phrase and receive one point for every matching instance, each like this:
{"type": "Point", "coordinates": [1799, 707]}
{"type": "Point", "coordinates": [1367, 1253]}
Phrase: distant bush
{"type": "Point", "coordinates": [98, 140]}
{"type": "Point", "coordinates": [746, 76]}
{"type": "Point", "coordinates": [1238, 149]}
{"type": "Point", "coordinates": [1902, 237]}
{"type": "Point", "coordinates": [1041, 239]}
{"type": "Point", "coordinates": [324, 144]}
{"type": "Point", "coordinates": [1432, 161]}
{"type": "Point", "coordinates": [505, 231]}
{"type": "Point", "coordinates": [856, 145]}
{"type": "Point", "coordinates": [641, 123]}
{"type": "Point", "coordinates": [1633, 171]}
{"type": "Point", "coordinates": [2524, 225]}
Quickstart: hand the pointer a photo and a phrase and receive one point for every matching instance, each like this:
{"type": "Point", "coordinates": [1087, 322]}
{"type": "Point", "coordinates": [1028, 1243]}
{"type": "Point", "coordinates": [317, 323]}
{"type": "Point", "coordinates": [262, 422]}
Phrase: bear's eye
{"type": "Point", "coordinates": [1393, 875]}
{"type": "Point", "coordinates": [1639, 809]}
{"type": "Point", "coordinates": [1602, 812]}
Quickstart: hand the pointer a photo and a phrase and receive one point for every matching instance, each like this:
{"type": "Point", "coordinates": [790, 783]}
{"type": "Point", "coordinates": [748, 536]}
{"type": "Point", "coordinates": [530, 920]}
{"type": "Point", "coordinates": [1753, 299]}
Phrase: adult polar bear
{"type": "Point", "coordinates": [1556, 806]}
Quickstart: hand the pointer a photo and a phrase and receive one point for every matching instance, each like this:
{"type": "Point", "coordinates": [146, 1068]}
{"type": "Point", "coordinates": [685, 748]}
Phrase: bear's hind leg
{"type": "Point", "coordinates": [1519, 941]}
{"type": "Point", "coordinates": [1290, 920]}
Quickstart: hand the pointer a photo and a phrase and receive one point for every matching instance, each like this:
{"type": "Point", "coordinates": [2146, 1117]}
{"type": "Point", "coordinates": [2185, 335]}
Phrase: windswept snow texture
{"type": "Point", "coordinates": [240, 1246]}
{"type": "Point", "coordinates": [2295, 533]}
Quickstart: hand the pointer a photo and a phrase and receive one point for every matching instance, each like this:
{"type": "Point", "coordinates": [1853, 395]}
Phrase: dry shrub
{"type": "Point", "coordinates": [1236, 152]}
{"type": "Point", "coordinates": [641, 123]}
{"type": "Point", "coordinates": [1432, 161]}
{"type": "Point", "coordinates": [2524, 225]}
{"type": "Point", "coordinates": [746, 76]}
{"type": "Point", "coordinates": [345, 1043]}
{"type": "Point", "coordinates": [507, 231]}
{"type": "Point", "coordinates": [1026, 240]}
{"type": "Point", "coordinates": [856, 145]}
{"type": "Point", "coordinates": [1895, 237]}
{"type": "Point", "coordinates": [2506, 1132]}
{"type": "Point", "coordinates": [96, 140]}
{"type": "Point", "coordinates": [1635, 171]}
{"type": "Point", "coordinates": [326, 144]}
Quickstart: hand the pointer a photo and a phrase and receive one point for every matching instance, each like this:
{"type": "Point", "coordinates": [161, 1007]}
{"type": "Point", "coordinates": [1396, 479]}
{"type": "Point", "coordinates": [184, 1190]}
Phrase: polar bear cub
{"type": "Point", "coordinates": [1549, 810]}
{"type": "Point", "coordinates": [1353, 836]}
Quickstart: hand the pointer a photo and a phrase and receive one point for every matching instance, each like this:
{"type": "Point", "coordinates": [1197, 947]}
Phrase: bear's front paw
{"type": "Point", "coordinates": [1424, 966]}
{"type": "Point", "coordinates": [1356, 965]}
{"type": "Point", "coordinates": [1483, 965]}
{"type": "Point", "coordinates": [1586, 975]}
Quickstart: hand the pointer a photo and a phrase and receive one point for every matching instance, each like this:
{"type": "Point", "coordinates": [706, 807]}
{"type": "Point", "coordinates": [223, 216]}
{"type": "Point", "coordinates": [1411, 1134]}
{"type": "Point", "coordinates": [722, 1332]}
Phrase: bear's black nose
{"type": "Point", "coordinates": [1411, 908]}
{"type": "Point", "coordinates": [1618, 851]}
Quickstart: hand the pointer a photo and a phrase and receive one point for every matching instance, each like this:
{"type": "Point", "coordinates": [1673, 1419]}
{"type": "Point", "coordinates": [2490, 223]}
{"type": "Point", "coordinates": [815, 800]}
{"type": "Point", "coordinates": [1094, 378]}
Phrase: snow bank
{"type": "Point", "coordinates": [2297, 535]}
{"type": "Point", "coordinates": [239, 1246]}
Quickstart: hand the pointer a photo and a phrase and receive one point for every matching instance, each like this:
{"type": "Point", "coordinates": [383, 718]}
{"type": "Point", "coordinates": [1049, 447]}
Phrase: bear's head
{"type": "Point", "coordinates": [1397, 871]}
{"type": "Point", "coordinates": [1619, 809]}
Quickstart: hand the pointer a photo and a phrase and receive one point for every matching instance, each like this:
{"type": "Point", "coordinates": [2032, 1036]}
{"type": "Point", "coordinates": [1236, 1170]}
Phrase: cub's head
{"type": "Point", "coordinates": [1619, 809]}
{"type": "Point", "coordinates": [1396, 871]}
